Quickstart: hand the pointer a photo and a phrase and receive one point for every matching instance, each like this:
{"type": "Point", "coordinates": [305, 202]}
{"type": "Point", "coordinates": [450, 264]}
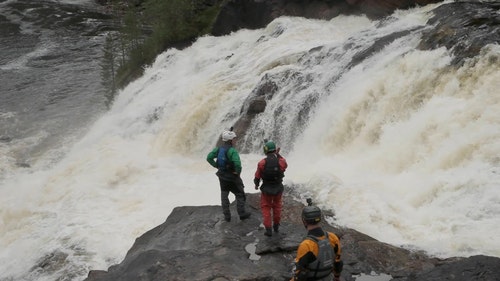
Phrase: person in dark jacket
{"type": "Point", "coordinates": [318, 255]}
{"type": "Point", "coordinates": [271, 171]}
{"type": "Point", "coordinates": [227, 161]}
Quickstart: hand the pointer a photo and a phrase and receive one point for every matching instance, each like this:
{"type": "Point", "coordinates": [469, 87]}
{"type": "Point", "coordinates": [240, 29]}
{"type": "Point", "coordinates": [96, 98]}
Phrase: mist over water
{"type": "Point", "coordinates": [401, 145]}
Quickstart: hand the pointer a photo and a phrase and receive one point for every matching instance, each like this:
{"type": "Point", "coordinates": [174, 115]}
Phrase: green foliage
{"type": "Point", "coordinates": [148, 28]}
{"type": "Point", "coordinates": [108, 71]}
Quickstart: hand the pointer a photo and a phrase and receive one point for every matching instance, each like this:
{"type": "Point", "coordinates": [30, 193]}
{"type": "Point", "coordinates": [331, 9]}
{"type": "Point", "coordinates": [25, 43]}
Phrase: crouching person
{"type": "Point", "coordinates": [318, 255]}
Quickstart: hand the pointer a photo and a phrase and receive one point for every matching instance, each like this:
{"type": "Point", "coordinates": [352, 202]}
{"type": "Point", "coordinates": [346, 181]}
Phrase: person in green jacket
{"type": "Point", "coordinates": [227, 161]}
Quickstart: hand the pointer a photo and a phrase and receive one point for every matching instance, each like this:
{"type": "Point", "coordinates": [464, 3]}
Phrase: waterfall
{"type": "Point", "coordinates": [399, 143]}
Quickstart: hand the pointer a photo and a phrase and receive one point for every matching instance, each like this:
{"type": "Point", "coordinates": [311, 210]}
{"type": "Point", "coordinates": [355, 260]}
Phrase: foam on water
{"type": "Point", "coordinates": [402, 146]}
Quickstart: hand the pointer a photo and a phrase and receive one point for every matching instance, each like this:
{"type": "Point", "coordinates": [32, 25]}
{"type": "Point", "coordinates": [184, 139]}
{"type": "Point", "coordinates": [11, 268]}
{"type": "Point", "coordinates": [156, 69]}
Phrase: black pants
{"type": "Point", "coordinates": [235, 187]}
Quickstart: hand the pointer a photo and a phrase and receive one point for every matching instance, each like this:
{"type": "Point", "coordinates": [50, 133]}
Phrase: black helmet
{"type": "Point", "coordinates": [311, 214]}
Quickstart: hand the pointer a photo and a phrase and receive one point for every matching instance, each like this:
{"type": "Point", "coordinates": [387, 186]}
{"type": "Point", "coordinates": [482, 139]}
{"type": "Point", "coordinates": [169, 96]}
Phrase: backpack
{"type": "Point", "coordinates": [272, 172]}
{"type": "Point", "coordinates": [323, 265]}
{"type": "Point", "coordinates": [223, 161]}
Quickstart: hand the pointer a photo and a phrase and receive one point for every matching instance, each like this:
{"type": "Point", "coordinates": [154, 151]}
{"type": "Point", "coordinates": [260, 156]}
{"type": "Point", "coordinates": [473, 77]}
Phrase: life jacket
{"type": "Point", "coordinates": [323, 265]}
{"type": "Point", "coordinates": [223, 162]}
{"type": "Point", "coordinates": [272, 172]}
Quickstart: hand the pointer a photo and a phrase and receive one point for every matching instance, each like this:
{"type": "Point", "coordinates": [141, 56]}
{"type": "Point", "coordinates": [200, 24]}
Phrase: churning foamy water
{"type": "Point", "coordinates": [401, 146]}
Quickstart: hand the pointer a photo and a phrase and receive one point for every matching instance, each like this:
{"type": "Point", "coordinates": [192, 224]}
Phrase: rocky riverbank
{"type": "Point", "coordinates": [196, 244]}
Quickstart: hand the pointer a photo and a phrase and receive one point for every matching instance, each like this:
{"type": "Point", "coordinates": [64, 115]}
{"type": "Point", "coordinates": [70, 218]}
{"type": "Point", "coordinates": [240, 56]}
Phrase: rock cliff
{"type": "Point", "coordinates": [196, 244]}
{"type": "Point", "coordinates": [252, 14]}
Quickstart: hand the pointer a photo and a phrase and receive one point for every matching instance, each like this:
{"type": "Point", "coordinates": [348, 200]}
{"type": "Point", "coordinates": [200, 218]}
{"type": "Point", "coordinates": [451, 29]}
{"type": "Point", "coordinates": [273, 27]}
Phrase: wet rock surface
{"type": "Point", "coordinates": [464, 27]}
{"type": "Point", "coordinates": [195, 243]}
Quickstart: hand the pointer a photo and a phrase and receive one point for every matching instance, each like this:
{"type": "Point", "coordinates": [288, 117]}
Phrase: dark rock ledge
{"type": "Point", "coordinates": [252, 14]}
{"type": "Point", "coordinates": [195, 243]}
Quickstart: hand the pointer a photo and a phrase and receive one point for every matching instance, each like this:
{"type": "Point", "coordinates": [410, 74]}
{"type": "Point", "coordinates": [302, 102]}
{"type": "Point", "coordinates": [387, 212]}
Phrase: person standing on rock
{"type": "Point", "coordinates": [271, 171]}
{"type": "Point", "coordinates": [227, 161]}
{"type": "Point", "coordinates": [318, 255]}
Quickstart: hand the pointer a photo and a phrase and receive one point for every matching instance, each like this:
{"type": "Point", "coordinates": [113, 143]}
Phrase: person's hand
{"type": "Point", "coordinates": [256, 182]}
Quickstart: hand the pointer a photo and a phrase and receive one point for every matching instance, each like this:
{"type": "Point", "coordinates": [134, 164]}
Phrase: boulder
{"type": "Point", "coordinates": [464, 27]}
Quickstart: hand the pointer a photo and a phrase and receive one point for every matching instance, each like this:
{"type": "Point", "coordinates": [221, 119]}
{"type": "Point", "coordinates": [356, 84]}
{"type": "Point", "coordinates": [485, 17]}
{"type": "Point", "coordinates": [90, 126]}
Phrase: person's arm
{"type": "Point", "coordinates": [338, 263]}
{"type": "Point", "coordinates": [211, 156]}
{"type": "Point", "coordinates": [258, 173]}
{"type": "Point", "coordinates": [282, 163]}
{"type": "Point", "coordinates": [304, 257]}
{"type": "Point", "coordinates": [234, 157]}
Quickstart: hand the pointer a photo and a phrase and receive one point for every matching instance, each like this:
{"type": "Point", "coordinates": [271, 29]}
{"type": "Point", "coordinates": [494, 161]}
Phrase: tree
{"type": "Point", "coordinates": [108, 66]}
{"type": "Point", "coordinates": [149, 27]}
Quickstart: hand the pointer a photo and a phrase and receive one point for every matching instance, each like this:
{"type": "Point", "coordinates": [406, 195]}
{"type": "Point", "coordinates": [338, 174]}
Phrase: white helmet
{"type": "Point", "coordinates": [228, 135]}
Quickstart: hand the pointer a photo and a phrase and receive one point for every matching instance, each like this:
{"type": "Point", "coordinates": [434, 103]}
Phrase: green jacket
{"type": "Point", "coordinates": [232, 155]}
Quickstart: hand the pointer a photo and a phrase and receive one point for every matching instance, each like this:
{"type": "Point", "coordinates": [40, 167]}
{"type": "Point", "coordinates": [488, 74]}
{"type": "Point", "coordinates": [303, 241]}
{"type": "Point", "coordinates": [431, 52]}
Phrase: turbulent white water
{"type": "Point", "coordinates": [402, 146]}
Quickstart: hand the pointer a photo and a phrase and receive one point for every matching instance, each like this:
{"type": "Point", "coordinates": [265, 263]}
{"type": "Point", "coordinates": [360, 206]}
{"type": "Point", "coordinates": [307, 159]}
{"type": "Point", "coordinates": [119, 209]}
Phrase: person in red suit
{"type": "Point", "coordinates": [271, 171]}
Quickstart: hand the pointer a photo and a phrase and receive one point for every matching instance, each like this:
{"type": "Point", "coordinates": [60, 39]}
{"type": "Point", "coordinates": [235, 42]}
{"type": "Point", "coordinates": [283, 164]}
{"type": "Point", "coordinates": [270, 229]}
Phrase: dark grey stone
{"type": "Point", "coordinates": [196, 244]}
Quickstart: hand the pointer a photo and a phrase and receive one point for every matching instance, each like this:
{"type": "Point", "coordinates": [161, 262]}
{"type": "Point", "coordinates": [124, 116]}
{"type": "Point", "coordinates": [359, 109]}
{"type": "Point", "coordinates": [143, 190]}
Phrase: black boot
{"type": "Point", "coordinates": [245, 216]}
{"type": "Point", "coordinates": [227, 216]}
{"type": "Point", "coordinates": [276, 227]}
{"type": "Point", "coordinates": [269, 232]}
